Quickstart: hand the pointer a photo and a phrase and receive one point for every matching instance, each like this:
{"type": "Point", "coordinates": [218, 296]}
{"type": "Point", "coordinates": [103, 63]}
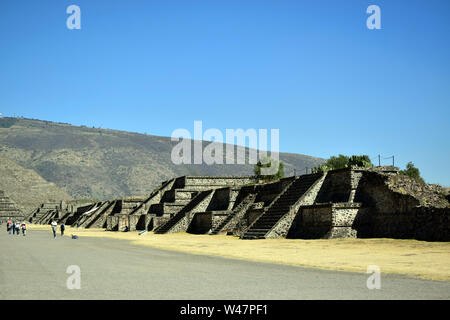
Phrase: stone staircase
{"type": "Point", "coordinates": [235, 215]}
{"type": "Point", "coordinates": [100, 210]}
{"type": "Point", "coordinates": [99, 220]}
{"type": "Point", "coordinates": [45, 212]}
{"type": "Point", "coordinates": [280, 207]}
{"type": "Point", "coordinates": [89, 215]}
{"type": "Point", "coordinates": [73, 218]}
{"type": "Point", "coordinates": [154, 197]}
{"type": "Point", "coordinates": [49, 217]}
{"type": "Point", "coordinates": [64, 217]}
{"type": "Point", "coordinates": [165, 228]}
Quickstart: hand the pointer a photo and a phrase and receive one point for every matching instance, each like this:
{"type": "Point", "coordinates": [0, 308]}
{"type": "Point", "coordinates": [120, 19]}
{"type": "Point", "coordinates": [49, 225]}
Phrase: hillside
{"type": "Point", "coordinates": [26, 188]}
{"type": "Point", "coordinates": [103, 164]}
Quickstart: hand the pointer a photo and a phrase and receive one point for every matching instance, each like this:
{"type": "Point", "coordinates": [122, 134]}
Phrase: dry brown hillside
{"type": "Point", "coordinates": [104, 164]}
{"type": "Point", "coordinates": [26, 188]}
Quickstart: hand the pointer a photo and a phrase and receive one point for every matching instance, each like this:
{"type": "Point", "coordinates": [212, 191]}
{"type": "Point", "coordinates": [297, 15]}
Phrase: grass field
{"type": "Point", "coordinates": [420, 259]}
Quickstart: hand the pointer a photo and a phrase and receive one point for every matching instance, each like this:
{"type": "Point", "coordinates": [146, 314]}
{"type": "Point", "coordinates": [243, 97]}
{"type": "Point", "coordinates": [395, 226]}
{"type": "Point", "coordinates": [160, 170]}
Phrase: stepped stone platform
{"type": "Point", "coordinates": [45, 212]}
{"type": "Point", "coordinates": [351, 202]}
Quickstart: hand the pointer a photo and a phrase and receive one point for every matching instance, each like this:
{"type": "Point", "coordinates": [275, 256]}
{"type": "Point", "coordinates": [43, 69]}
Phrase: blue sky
{"type": "Point", "coordinates": [311, 69]}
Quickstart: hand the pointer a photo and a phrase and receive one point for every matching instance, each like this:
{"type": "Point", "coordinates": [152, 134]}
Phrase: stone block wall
{"type": "Point", "coordinates": [126, 206]}
{"type": "Point", "coordinates": [112, 223]}
{"type": "Point", "coordinates": [421, 223]}
{"type": "Point", "coordinates": [432, 224]}
{"type": "Point", "coordinates": [123, 222]}
{"type": "Point", "coordinates": [312, 222]}
{"type": "Point", "coordinates": [209, 182]}
{"type": "Point", "coordinates": [396, 214]}
{"type": "Point", "coordinates": [139, 222]}
{"type": "Point", "coordinates": [343, 219]}
{"type": "Point", "coordinates": [220, 200]}
{"type": "Point", "coordinates": [202, 222]}
{"type": "Point", "coordinates": [177, 194]}
{"type": "Point", "coordinates": [329, 220]}
{"type": "Point", "coordinates": [373, 191]}
{"type": "Point", "coordinates": [168, 208]}
{"type": "Point", "coordinates": [133, 221]}
{"type": "Point", "coordinates": [336, 187]}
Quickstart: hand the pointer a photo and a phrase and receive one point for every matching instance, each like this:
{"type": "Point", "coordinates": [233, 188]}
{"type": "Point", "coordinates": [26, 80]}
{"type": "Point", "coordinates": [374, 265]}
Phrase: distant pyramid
{"type": "Point", "coordinates": [26, 188]}
{"type": "Point", "coordinates": [8, 208]}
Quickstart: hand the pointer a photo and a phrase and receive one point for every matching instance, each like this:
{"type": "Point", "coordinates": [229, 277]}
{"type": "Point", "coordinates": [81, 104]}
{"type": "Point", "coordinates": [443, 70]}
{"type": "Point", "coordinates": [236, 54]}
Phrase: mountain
{"type": "Point", "coordinates": [26, 188]}
{"type": "Point", "coordinates": [103, 164]}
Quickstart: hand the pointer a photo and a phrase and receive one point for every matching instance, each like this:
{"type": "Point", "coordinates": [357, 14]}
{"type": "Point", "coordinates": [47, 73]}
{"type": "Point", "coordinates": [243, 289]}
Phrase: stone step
{"type": "Point", "coordinates": [280, 207]}
{"type": "Point", "coordinates": [181, 214]}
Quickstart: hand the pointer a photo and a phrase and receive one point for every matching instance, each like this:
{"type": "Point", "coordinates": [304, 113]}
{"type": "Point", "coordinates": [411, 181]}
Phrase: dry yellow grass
{"type": "Point", "coordinates": [427, 260]}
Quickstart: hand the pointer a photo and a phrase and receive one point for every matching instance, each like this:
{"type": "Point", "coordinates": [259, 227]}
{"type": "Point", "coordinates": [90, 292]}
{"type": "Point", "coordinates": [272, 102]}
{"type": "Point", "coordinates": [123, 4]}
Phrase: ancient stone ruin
{"type": "Point", "coordinates": [8, 209]}
{"type": "Point", "coordinates": [351, 202]}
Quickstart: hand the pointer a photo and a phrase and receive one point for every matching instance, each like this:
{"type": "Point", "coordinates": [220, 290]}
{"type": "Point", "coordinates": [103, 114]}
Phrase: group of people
{"type": "Point", "coordinates": [15, 227]}
{"type": "Point", "coordinates": [54, 225]}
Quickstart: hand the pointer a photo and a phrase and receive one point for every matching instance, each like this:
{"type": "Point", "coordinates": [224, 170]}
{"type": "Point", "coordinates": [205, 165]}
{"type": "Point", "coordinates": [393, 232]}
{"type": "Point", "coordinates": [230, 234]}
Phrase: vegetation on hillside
{"type": "Point", "coordinates": [412, 172]}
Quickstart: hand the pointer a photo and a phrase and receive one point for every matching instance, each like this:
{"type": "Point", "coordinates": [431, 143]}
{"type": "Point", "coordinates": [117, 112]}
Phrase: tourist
{"type": "Point", "coordinates": [13, 227]}
{"type": "Point", "coordinates": [8, 226]}
{"type": "Point", "coordinates": [18, 227]}
{"type": "Point", "coordinates": [54, 226]}
{"type": "Point", "coordinates": [24, 228]}
{"type": "Point", "coordinates": [62, 227]}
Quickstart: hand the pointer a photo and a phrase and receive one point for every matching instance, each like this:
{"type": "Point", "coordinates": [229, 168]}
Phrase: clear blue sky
{"type": "Point", "coordinates": [311, 69]}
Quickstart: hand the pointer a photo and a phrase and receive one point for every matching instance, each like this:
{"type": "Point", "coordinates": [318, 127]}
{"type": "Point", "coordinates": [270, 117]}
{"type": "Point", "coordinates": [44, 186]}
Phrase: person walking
{"type": "Point", "coordinates": [54, 226]}
{"type": "Point", "coordinates": [13, 226]}
{"type": "Point", "coordinates": [24, 228]}
{"type": "Point", "coordinates": [18, 228]}
{"type": "Point", "coordinates": [62, 227]}
{"type": "Point", "coordinates": [8, 226]}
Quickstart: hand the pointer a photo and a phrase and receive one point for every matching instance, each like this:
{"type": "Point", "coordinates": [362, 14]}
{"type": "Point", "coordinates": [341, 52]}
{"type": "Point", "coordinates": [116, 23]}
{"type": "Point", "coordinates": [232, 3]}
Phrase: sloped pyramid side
{"type": "Point", "coordinates": [27, 188]}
